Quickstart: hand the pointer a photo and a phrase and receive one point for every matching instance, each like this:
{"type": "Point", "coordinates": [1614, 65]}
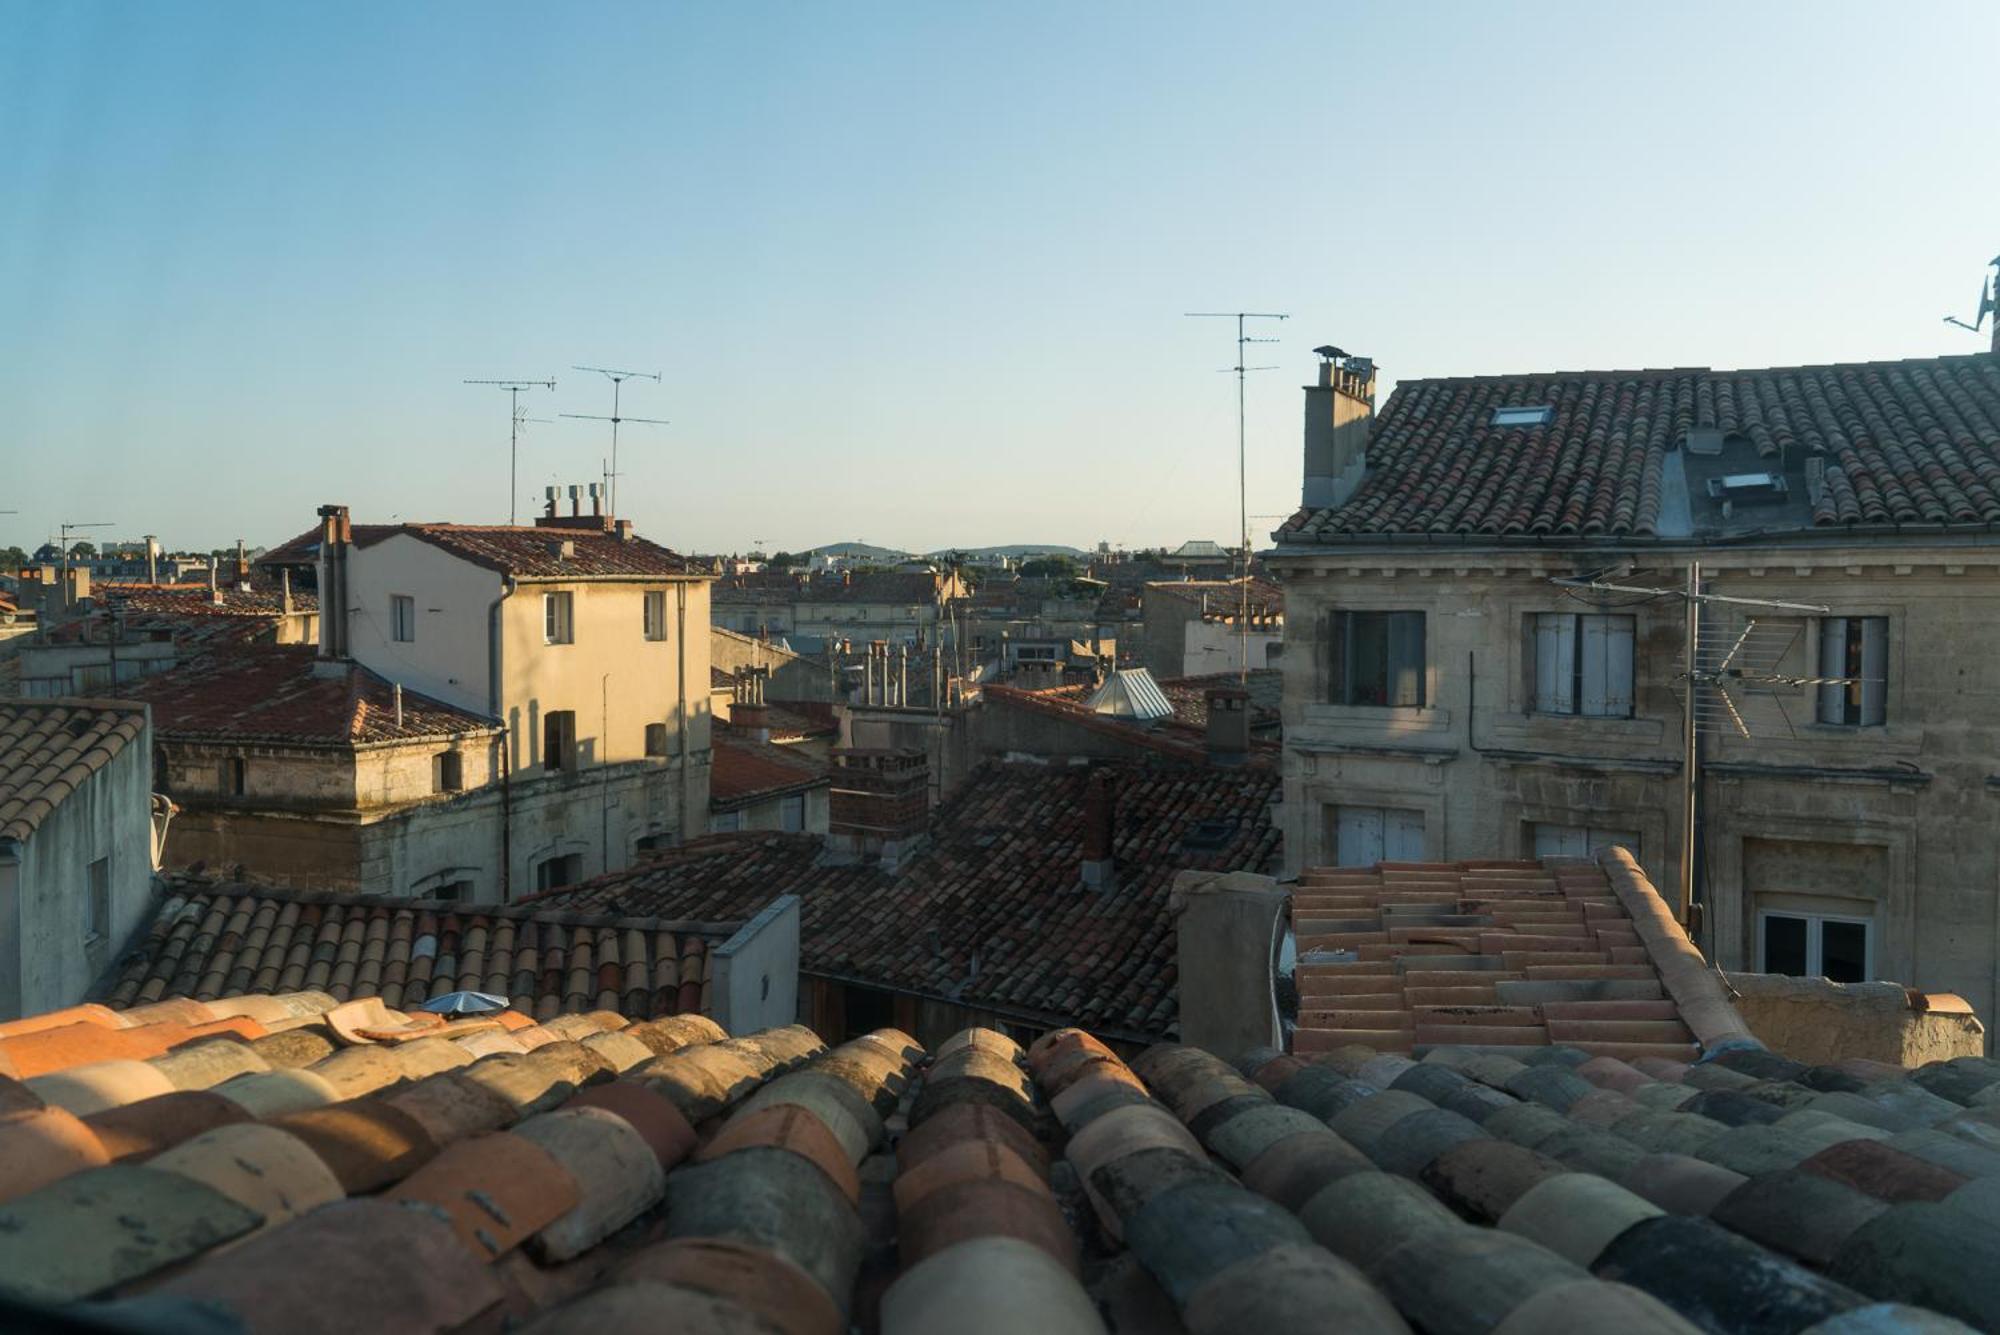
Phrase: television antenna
{"type": "Point", "coordinates": [1718, 676]}
{"type": "Point", "coordinates": [515, 421]}
{"type": "Point", "coordinates": [1989, 304]}
{"type": "Point", "coordinates": [618, 379]}
{"type": "Point", "coordinates": [1243, 340]}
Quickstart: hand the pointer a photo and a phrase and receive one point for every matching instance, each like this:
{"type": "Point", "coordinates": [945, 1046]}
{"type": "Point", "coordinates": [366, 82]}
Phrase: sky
{"type": "Point", "coordinates": [916, 274]}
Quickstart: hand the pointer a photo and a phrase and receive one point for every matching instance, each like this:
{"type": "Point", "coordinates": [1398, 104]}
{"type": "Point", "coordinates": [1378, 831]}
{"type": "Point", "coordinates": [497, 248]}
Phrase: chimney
{"type": "Point", "coordinates": [336, 534]}
{"type": "Point", "coordinates": [242, 563]}
{"type": "Point", "coordinates": [623, 528]}
{"type": "Point", "coordinates": [214, 575]}
{"type": "Point", "coordinates": [285, 590]}
{"type": "Point", "coordinates": [879, 808]}
{"type": "Point", "coordinates": [1338, 411]}
{"type": "Point", "coordinates": [902, 676]}
{"type": "Point", "coordinates": [1228, 724]}
{"type": "Point", "coordinates": [549, 495]}
{"type": "Point", "coordinates": [746, 709]}
{"type": "Point", "coordinates": [152, 559]}
{"type": "Point", "coordinates": [597, 500]}
{"type": "Point", "coordinates": [1100, 867]}
{"type": "Point", "coordinates": [397, 691]}
{"type": "Point", "coordinates": [575, 502]}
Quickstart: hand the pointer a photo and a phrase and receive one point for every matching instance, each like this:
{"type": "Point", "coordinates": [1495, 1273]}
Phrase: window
{"type": "Point", "coordinates": [1536, 415]}
{"type": "Point", "coordinates": [559, 740]}
{"type": "Point", "coordinates": [556, 872]}
{"type": "Point", "coordinates": [557, 627]}
{"type": "Point", "coordinates": [402, 618]}
{"type": "Point", "coordinates": [1817, 945]}
{"type": "Point", "coordinates": [656, 739]}
{"type": "Point", "coordinates": [235, 776]}
{"type": "Point", "coordinates": [1377, 659]}
{"type": "Point", "coordinates": [723, 822]}
{"type": "Point", "coordinates": [1855, 649]}
{"type": "Point", "coordinates": [1364, 836]}
{"type": "Point", "coordinates": [651, 843]}
{"type": "Point", "coordinates": [1750, 487]}
{"type": "Point", "coordinates": [656, 615]}
{"type": "Point", "coordinates": [97, 906]}
{"type": "Point", "coordinates": [792, 814]}
{"type": "Point", "coordinates": [1583, 664]}
{"type": "Point", "coordinates": [447, 772]}
{"type": "Point", "coordinates": [1580, 841]}
{"type": "Point", "coordinates": [452, 892]}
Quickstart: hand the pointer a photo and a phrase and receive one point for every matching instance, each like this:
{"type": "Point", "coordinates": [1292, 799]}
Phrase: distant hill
{"type": "Point", "coordinates": [862, 550]}
{"type": "Point", "coordinates": [1019, 549]}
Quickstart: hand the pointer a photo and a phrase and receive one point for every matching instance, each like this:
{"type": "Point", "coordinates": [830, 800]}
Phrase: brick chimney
{"type": "Point", "coordinates": [1100, 865]}
{"type": "Point", "coordinates": [746, 707]}
{"type": "Point", "coordinates": [336, 536]}
{"type": "Point", "coordinates": [879, 807]}
{"type": "Point", "coordinates": [1338, 411]}
{"type": "Point", "coordinates": [1228, 724]}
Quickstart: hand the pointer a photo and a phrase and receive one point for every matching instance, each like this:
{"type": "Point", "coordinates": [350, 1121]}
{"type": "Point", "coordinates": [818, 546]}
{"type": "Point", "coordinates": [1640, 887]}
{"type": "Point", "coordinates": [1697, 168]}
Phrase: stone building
{"type": "Point", "coordinates": [491, 711]}
{"type": "Point", "coordinates": [77, 831]}
{"type": "Point", "coordinates": [1445, 698]}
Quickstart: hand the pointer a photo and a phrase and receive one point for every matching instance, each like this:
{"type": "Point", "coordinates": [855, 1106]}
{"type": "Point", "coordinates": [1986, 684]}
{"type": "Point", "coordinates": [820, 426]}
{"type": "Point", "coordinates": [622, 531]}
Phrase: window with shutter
{"type": "Point", "coordinates": [1583, 664]}
{"type": "Point", "coordinates": [1376, 658]}
{"type": "Point", "coordinates": [1855, 650]}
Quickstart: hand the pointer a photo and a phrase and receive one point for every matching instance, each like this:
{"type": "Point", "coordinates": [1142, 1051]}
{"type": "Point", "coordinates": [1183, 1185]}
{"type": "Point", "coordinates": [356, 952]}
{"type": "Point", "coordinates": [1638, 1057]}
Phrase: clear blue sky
{"type": "Point", "coordinates": [915, 273]}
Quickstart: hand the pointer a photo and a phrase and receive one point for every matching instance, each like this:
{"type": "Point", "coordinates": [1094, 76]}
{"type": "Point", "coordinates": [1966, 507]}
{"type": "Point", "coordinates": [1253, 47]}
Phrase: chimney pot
{"type": "Point", "coordinates": [1100, 867]}
{"type": "Point", "coordinates": [576, 502]}
{"type": "Point", "coordinates": [1228, 725]}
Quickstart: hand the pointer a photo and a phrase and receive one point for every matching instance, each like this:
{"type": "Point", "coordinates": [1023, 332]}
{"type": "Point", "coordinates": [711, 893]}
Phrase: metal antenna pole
{"type": "Point", "coordinates": [514, 420]}
{"type": "Point", "coordinates": [618, 379]}
{"type": "Point", "coordinates": [1690, 742]}
{"type": "Point", "coordinates": [1242, 465]}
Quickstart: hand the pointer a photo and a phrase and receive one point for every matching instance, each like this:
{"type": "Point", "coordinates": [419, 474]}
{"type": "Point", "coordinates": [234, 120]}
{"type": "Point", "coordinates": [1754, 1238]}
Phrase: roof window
{"type": "Point", "coordinates": [1531, 415]}
{"type": "Point", "coordinates": [1747, 487]}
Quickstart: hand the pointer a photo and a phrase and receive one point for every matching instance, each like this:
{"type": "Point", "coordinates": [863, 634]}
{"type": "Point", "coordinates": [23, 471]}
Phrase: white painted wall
{"type": "Point", "coordinates": [449, 658]}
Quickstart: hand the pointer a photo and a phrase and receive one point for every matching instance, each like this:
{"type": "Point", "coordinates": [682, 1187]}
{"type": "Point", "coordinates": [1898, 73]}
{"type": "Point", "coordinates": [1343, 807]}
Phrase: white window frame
{"type": "Point", "coordinates": [1815, 939]}
{"type": "Point", "coordinates": [1869, 696]}
{"type": "Point", "coordinates": [1582, 663]}
{"type": "Point", "coordinates": [656, 614]}
{"type": "Point", "coordinates": [558, 618]}
{"type": "Point", "coordinates": [402, 618]}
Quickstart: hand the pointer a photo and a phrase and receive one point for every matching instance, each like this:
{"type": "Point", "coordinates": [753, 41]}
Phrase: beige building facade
{"type": "Point", "coordinates": [1445, 698]}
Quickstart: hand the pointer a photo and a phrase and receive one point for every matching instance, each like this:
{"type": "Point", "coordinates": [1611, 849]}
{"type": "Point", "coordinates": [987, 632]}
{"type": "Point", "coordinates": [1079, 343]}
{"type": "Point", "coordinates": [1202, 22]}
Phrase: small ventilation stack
{"type": "Point", "coordinates": [1228, 724]}
{"type": "Point", "coordinates": [1100, 833]}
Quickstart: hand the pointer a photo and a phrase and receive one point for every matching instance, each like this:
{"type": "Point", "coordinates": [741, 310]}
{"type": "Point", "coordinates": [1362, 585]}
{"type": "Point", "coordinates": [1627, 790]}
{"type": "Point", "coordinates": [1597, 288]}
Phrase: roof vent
{"type": "Point", "coordinates": [1704, 440]}
{"type": "Point", "coordinates": [565, 549]}
{"type": "Point", "coordinates": [1748, 488]}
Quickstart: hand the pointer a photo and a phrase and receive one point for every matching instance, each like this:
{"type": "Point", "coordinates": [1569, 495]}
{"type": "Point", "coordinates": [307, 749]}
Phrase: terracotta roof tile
{"type": "Point", "coordinates": [994, 911]}
{"type": "Point", "coordinates": [49, 748]}
{"type": "Point", "coordinates": [745, 770]}
{"type": "Point", "coordinates": [282, 693]}
{"type": "Point", "coordinates": [539, 553]}
{"type": "Point", "coordinates": [1902, 442]}
{"type": "Point", "coordinates": [217, 941]}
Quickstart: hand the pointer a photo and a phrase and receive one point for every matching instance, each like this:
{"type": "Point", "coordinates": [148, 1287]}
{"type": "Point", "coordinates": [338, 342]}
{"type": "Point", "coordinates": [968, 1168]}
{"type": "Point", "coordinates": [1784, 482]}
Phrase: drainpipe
{"type": "Point", "coordinates": [681, 700]}
{"type": "Point", "coordinates": [494, 663]}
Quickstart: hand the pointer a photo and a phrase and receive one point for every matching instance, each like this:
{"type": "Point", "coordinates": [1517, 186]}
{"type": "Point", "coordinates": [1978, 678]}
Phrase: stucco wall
{"type": "Point", "coordinates": [1910, 800]}
{"type": "Point", "coordinates": [449, 658]}
{"type": "Point", "coordinates": [756, 978]}
{"type": "Point", "coordinates": [1217, 646]}
{"type": "Point", "coordinates": [43, 899]}
{"type": "Point", "coordinates": [1817, 1022]}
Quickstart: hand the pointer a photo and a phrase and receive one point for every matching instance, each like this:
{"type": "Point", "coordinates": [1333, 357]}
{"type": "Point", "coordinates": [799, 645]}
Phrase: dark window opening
{"type": "Point", "coordinates": [235, 776]}
{"type": "Point", "coordinates": [559, 871]}
{"type": "Point", "coordinates": [559, 740]}
{"type": "Point", "coordinates": [447, 772]}
{"type": "Point", "coordinates": [656, 739]}
{"type": "Point", "coordinates": [1377, 659]}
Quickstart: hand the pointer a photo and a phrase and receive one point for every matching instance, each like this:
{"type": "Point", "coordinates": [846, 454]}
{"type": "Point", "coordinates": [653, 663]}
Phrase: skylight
{"type": "Point", "coordinates": [1535, 415]}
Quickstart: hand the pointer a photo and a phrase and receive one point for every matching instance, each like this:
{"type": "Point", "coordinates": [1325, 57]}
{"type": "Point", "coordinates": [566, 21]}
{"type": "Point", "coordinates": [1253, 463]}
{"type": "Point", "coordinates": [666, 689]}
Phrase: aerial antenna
{"type": "Point", "coordinates": [514, 423]}
{"type": "Point", "coordinates": [1717, 679]}
{"type": "Point", "coordinates": [618, 379]}
{"type": "Point", "coordinates": [1243, 340]}
{"type": "Point", "coordinates": [1989, 304]}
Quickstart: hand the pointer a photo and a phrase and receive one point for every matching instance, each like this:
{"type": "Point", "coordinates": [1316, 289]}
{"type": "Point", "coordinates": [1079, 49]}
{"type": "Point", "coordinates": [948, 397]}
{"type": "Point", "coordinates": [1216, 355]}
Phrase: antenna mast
{"type": "Point", "coordinates": [1748, 661]}
{"type": "Point", "coordinates": [1242, 468]}
{"type": "Point", "coordinates": [514, 421]}
{"type": "Point", "coordinates": [618, 379]}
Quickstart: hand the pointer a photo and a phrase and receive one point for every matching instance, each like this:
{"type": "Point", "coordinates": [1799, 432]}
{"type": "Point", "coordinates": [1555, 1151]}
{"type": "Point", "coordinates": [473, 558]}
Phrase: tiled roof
{"type": "Point", "coordinates": [994, 913]}
{"type": "Point", "coordinates": [796, 720]}
{"type": "Point", "coordinates": [277, 693]}
{"type": "Point", "coordinates": [49, 748]}
{"type": "Point", "coordinates": [1499, 954]}
{"type": "Point", "coordinates": [537, 553]}
{"type": "Point", "coordinates": [745, 770]}
{"type": "Point", "coordinates": [1177, 739]}
{"type": "Point", "coordinates": [1223, 596]}
{"type": "Point", "coordinates": [304, 549]}
{"type": "Point", "coordinates": [881, 586]}
{"type": "Point", "coordinates": [217, 941]}
{"type": "Point", "coordinates": [1903, 442]}
{"type": "Point", "coordinates": [195, 600]}
{"type": "Point", "coordinates": [280, 1165]}
{"type": "Point", "coordinates": [1189, 695]}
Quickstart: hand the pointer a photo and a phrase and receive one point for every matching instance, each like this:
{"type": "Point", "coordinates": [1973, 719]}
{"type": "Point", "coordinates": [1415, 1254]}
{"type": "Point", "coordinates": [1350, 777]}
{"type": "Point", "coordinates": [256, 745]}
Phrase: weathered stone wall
{"type": "Point", "coordinates": [1814, 1021]}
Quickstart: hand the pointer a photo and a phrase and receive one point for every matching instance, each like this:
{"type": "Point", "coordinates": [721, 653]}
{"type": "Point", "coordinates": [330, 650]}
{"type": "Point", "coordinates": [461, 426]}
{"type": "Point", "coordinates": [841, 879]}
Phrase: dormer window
{"type": "Point", "coordinates": [1532, 415]}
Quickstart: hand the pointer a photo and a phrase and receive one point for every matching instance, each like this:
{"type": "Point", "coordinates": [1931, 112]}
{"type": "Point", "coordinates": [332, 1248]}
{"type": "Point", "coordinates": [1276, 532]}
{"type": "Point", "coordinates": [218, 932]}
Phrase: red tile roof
{"type": "Point", "coordinates": [212, 941]}
{"type": "Point", "coordinates": [1223, 597]}
{"type": "Point", "coordinates": [537, 553]}
{"type": "Point", "coordinates": [1180, 738]}
{"type": "Point", "coordinates": [277, 693]}
{"type": "Point", "coordinates": [994, 912]}
{"type": "Point", "coordinates": [744, 770]}
{"type": "Point", "coordinates": [303, 551]}
{"type": "Point", "coordinates": [195, 600]}
{"type": "Point", "coordinates": [1904, 442]}
{"type": "Point", "coordinates": [50, 748]}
